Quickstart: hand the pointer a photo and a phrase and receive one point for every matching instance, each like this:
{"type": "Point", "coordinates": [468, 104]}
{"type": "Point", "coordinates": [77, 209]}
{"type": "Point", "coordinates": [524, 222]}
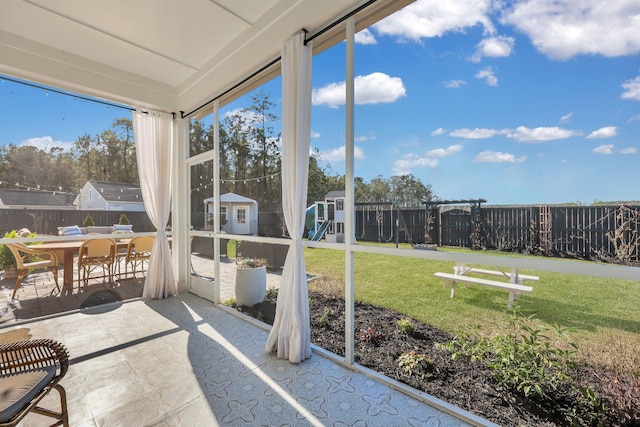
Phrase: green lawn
{"type": "Point", "coordinates": [602, 314]}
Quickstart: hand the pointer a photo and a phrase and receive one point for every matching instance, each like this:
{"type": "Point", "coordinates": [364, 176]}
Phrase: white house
{"type": "Point", "coordinates": [110, 196]}
{"type": "Point", "coordinates": [238, 214]}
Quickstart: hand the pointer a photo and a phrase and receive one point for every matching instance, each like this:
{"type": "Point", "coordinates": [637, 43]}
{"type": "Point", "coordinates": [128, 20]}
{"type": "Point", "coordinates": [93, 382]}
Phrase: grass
{"type": "Point", "coordinates": [601, 314]}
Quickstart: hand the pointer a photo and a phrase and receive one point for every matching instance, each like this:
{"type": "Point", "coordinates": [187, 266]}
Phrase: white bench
{"type": "Point", "coordinates": [462, 270]}
{"type": "Point", "coordinates": [514, 289]}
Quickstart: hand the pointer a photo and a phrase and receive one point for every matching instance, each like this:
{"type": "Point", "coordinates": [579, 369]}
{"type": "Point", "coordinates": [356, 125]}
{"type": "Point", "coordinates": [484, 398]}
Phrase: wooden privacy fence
{"type": "Point", "coordinates": [610, 232]}
{"type": "Point", "coordinates": [46, 221]}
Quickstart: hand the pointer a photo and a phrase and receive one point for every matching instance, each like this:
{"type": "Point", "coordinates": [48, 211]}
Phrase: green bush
{"type": "Point", "coordinates": [88, 221]}
{"type": "Point", "coordinates": [525, 359]}
{"type": "Point", "coordinates": [6, 256]}
{"type": "Point", "coordinates": [406, 326]}
{"type": "Point", "coordinates": [413, 363]}
{"type": "Point", "coordinates": [123, 220]}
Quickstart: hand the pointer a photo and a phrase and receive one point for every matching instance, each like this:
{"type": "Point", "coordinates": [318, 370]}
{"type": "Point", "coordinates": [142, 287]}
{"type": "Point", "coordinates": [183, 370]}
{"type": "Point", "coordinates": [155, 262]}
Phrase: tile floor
{"type": "Point", "coordinates": [184, 361]}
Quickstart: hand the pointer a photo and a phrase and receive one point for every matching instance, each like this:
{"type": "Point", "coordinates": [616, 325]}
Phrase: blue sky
{"type": "Point", "coordinates": [515, 102]}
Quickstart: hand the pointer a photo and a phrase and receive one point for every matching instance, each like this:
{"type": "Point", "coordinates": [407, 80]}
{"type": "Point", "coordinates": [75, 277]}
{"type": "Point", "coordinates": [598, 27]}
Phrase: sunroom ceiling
{"type": "Point", "coordinates": [164, 54]}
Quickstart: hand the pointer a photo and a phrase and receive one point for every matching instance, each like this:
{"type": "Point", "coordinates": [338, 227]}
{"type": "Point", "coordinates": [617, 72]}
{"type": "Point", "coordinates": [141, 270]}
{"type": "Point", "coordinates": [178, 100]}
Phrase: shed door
{"type": "Point", "coordinates": [241, 219]}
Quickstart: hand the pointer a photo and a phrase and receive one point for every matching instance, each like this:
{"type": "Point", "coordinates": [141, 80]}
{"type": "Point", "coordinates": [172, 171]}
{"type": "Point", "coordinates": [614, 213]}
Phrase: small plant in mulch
{"type": "Point", "coordinates": [413, 363]}
{"type": "Point", "coordinates": [527, 361]}
{"type": "Point", "coordinates": [370, 336]}
{"type": "Point", "coordinates": [406, 326]}
{"type": "Point", "coordinates": [325, 317]}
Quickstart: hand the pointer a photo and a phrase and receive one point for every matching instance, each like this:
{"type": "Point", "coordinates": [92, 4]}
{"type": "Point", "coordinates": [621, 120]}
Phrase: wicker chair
{"type": "Point", "coordinates": [28, 259]}
{"type": "Point", "coordinates": [29, 370]}
{"type": "Point", "coordinates": [94, 254]}
{"type": "Point", "coordinates": [138, 253]}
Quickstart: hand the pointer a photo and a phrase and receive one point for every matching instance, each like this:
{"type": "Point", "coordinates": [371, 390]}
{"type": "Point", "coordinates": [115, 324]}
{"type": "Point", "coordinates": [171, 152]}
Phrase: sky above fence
{"type": "Point", "coordinates": [523, 102]}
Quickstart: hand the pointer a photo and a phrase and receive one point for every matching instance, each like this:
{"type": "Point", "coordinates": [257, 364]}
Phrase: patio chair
{"type": "Point", "coordinates": [95, 254]}
{"type": "Point", "coordinates": [138, 253]}
{"type": "Point", "coordinates": [28, 259]}
{"type": "Point", "coordinates": [29, 370]}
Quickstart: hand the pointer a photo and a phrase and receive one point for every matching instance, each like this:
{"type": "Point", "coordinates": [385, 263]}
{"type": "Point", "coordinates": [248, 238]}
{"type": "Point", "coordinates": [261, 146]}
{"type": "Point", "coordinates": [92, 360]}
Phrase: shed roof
{"type": "Point", "coordinates": [231, 198]}
{"type": "Point", "coordinates": [334, 194]}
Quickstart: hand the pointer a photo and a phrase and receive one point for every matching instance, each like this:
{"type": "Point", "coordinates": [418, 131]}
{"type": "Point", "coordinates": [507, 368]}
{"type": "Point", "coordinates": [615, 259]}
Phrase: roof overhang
{"type": "Point", "coordinates": [166, 55]}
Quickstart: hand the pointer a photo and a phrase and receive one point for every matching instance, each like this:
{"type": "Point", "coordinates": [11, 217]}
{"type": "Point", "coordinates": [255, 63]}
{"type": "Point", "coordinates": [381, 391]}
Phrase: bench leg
{"type": "Point", "coordinates": [453, 288]}
{"type": "Point", "coordinates": [512, 297]}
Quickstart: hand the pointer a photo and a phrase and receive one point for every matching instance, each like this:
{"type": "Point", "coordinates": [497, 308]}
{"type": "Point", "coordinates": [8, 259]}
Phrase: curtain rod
{"type": "Point", "coordinates": [338, 21]}
{"type": "Point", "coordinates": [82, 97]}
{"type": "Point", "coordinates": [265, 67]}
{"type": "Point", "coordinates": [61, 92]}
{"type": "Point", "coordinates": [246, 79]}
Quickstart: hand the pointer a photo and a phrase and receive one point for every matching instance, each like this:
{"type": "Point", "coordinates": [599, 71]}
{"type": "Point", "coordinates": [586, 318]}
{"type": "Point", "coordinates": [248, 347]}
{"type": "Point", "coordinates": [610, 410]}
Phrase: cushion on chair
{"type": "Point", "coordinates": [72, 230]}
{"type": "Point", "coordinates": [122, 228]}
{"type": "Point", "coordinates": [17, 390]}
{"type": "Point", "coordinates": [100, 229]}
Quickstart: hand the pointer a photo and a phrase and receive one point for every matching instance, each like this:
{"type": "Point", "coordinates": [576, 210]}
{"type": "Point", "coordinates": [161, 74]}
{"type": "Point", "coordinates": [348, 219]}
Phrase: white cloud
{"type": "Point", "coordinates": [524, 134]}
{"type": "Point", "coordinates": [605, 132]}
{"type": "Point", "coordinates": [634, 118]}
{"type": "Point", "coordinates": [477, 133]}
{"type": "Point", "coordinates": [630, 150]}
{"type": "Point", "coordinates": [408, 162]}
{"type": "Point", "coordinates": [45, 143]}
{"type": "Point", "coordinates": [631, 87]}
{"type": "Point", "coordinates": [454, 84]}
{"type": "Point", "coordinates": [562, 29]}
{"type": "Point", "coordinates": [444, 152]}
{"type": "Point", "coordinates": [433, 18]}
{"type": "Point", "coordinates": [365, 37]}
{"type": "Point", "coordinates": [438, 131]}
{"type": "Point", "coordinates": [339, 154]}
{"type": "Point", "coordinates": [494, 47]}
{"type": "Point", "coordinates": [604, 149]}
{"type": "Point", "coordinates": [489, 156]}
{"type": "Point", "coordinates": [566, 118]}
{"type": "Point", "coordinates": [364, 138]}
{"type": "Point", "coordinates": [488, 75]}
{"type": "Point", "coordinates": [315, 134]}
{"type": "Point", "coordinates": [375, 88]}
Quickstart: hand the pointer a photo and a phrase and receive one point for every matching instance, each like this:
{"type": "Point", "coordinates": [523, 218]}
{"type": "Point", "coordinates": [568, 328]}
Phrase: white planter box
{"type": "Point", "coordinates": [251, 284]}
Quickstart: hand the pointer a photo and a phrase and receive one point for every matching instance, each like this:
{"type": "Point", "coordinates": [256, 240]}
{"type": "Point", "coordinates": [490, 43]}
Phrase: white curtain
{"type": "Point", "coordinates": [290, 336]}
{"type": "Point", "coordinates": [153, 132]}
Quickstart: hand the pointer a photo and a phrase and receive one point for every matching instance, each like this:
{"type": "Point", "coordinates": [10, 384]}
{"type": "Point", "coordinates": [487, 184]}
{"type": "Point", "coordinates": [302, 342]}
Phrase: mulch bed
{"type": "Point", "coordinates": [379, 343]}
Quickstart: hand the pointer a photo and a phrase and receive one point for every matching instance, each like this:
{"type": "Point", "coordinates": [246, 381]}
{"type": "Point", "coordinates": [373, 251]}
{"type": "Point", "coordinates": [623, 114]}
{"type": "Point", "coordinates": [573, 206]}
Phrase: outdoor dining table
{"type": "Point", "coordinates": [68, 249]}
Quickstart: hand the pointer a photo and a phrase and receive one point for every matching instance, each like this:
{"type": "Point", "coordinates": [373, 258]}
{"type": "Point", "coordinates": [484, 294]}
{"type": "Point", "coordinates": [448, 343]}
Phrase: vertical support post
{"type": "Point", "coordinates": [180, 203]}
{"type": "Point", "coordinates": [349, 196]}
{"type": "Point", "coordinates": [216, 201]}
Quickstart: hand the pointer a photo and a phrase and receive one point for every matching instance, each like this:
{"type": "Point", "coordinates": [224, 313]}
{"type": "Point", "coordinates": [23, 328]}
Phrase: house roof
{"type": "Point", "coordinates": [35, 198]}
{"type": "Point", "coordinates": [171, 56]}
{"type": "Point", "coordinates": [118, 191]}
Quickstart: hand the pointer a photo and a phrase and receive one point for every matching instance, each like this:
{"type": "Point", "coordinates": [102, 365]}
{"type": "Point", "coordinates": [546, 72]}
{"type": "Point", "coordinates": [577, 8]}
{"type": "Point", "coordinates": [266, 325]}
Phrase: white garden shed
{"type": "Point", "coordinates": [238, 214]}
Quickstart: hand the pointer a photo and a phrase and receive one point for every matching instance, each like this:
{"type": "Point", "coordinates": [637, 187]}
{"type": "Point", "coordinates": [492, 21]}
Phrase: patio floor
{"type": "Point", "coordinates": [184, 361]}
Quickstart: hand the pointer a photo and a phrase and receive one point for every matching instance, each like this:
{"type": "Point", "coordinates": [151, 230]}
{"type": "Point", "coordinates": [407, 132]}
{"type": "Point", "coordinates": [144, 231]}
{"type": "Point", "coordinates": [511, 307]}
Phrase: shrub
{"type": "Point", "coordinates": [251, 262]}
{"type": "Point", "coordinates": [370, 335]}
{"type": "Point", "coordinates": [413, 363]}
{"type": "Point", "coordinates": [88, 221]}
{"type": "Point", "coordinates": [525, 359]}
{"type": "Point", "coordinates": [406, 326]}
{"type": "Point", "coordinates": [123, 220]}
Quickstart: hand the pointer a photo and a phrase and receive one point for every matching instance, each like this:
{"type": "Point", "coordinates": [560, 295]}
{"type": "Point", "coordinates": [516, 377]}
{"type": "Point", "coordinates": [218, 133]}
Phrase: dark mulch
{"type": "Point", "coordinates": [460, 382]}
